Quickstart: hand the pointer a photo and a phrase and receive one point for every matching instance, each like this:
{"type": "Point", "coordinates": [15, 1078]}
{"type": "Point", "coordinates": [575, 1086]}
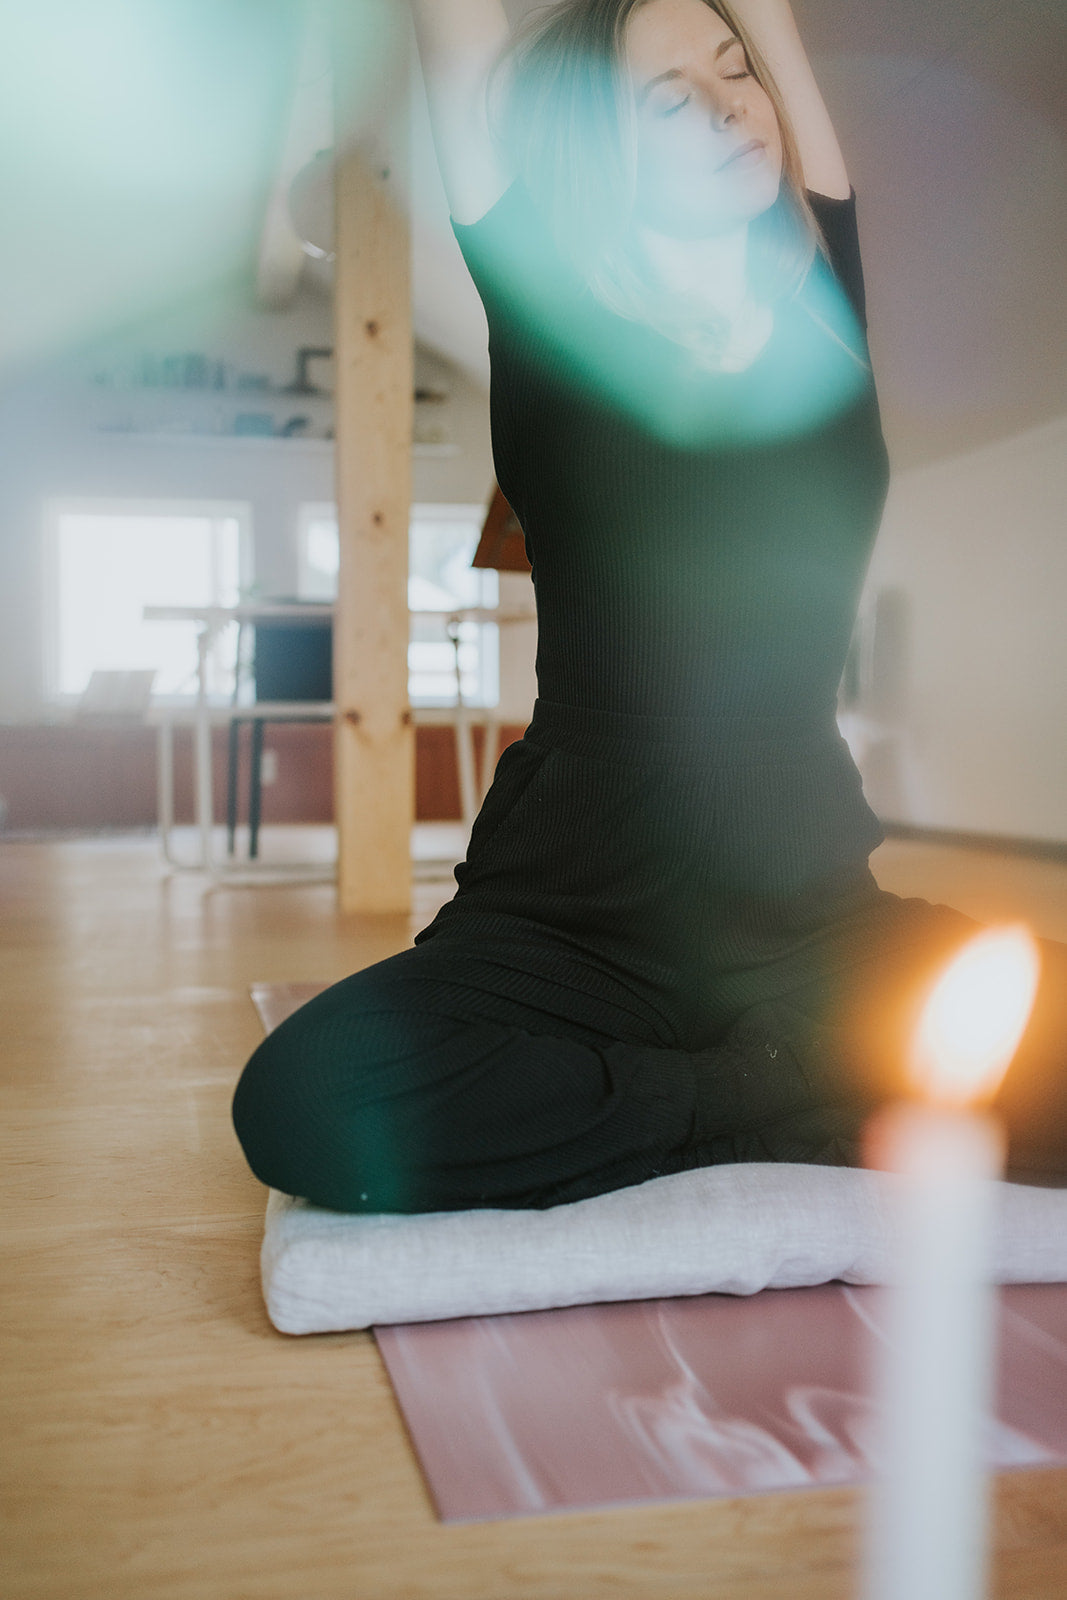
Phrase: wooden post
{"type": "Point", "coordinates": [374, 377]}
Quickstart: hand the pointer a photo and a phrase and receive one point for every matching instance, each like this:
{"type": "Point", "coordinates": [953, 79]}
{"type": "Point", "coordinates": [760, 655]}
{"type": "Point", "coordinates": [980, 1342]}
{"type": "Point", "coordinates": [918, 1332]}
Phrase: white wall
{"type": "Point", "coordinates": [967, 711]}
{"type": "Point", "coordinates": [462, 474]}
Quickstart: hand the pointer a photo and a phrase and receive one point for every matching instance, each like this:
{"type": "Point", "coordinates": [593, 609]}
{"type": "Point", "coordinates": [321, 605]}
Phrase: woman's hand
{"type": "Point", "coordinates": [459, 43]}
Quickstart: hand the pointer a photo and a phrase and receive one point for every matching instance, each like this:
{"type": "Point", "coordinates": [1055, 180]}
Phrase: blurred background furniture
{"type": "Point", "coordinates": [204, 713]}
{"type": "Point", "coordinates": [116, 697]}
{"type": "Point", "coordinates": [284, 674]}
{"type": "Point", "coordinates": [501, 548]}
{"type": "Point", "coordinates": [291, 667]}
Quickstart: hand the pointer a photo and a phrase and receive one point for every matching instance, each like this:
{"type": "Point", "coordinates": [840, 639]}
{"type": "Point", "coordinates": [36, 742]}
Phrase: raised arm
{"type": "Point", "coordinates": [459, 42]}
{"type": "Point", "coordinates": [774, 32]}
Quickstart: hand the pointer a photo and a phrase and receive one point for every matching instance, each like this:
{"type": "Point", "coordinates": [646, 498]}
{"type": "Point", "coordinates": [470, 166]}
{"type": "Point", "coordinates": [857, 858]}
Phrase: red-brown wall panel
{"type": "Point", "coordinates": [78, 776]}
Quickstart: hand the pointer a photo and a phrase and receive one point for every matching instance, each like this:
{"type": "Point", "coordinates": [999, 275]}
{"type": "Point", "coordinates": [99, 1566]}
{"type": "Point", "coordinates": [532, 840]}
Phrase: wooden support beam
{"type": "Point", "coordinates": [375, 746]}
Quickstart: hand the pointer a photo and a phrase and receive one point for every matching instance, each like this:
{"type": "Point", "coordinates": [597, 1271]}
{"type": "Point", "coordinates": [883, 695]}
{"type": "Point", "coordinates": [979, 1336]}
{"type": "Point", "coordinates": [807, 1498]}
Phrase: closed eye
{"type": "Point", "coordinates": [734, 51]}
{"type": "Point", "coordinates": [670, 111]}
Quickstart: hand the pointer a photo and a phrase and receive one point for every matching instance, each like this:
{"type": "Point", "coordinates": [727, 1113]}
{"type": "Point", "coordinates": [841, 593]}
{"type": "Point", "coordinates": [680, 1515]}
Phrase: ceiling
{"type": "Point", "coordinates": [151, 150]}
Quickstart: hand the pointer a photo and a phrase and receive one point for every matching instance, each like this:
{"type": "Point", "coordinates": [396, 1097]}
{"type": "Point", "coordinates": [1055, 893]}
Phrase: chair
{"type": "Point", "coordinates": [292, 666]}
{"type": "Point", "coordinates": [502, 545]}
{"type": "Point", "coordinates": [111, 697]}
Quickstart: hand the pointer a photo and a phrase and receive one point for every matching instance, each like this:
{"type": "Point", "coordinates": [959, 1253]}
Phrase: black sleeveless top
{"type": "Point", "coordinates": [699, 539]}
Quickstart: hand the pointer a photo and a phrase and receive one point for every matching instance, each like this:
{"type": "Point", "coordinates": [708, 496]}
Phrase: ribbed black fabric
{"type": "Point", "coordinates": [699, 539]}
{"type": "Point", "coordinates": [666, 948]}
{"type": "Point", "coordinates": [698, 546]}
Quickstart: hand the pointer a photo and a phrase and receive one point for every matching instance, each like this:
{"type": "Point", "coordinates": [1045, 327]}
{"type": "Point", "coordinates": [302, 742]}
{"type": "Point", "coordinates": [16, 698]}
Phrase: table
{"type": "Point", "coordinates": [205, 714]}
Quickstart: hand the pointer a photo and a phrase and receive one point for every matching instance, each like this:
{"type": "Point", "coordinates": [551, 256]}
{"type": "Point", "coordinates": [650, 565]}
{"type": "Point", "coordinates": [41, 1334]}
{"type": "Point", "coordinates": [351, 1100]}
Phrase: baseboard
{"type": "Point", "coordinates": [1002, 844]}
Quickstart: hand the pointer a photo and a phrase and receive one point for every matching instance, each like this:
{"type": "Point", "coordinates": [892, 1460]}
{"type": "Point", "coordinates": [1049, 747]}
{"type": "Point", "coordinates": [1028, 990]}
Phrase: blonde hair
{"type": "Point", "coordinates": [567, 120]}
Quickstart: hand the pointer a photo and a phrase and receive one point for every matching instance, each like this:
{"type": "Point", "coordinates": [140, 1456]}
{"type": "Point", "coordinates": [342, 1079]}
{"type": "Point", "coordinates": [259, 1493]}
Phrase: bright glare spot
{"type": "Point", "coordinates": [975, 1017]}
{"type": "Point", "coordinates": [323, 546]}
{"type": "Point", "coordinates": [112, 565]}
{"type": "Point", "coordinates": [808, 374]}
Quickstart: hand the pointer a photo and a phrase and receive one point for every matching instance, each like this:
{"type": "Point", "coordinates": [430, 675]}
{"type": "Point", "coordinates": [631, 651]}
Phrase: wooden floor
{"type": "Point", "coordinates": [157, 1437]}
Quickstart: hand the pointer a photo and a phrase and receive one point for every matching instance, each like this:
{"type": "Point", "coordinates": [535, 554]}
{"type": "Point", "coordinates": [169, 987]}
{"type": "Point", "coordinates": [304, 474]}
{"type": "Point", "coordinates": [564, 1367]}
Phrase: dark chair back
{"type": "Point", "coordinates": [294, 659]}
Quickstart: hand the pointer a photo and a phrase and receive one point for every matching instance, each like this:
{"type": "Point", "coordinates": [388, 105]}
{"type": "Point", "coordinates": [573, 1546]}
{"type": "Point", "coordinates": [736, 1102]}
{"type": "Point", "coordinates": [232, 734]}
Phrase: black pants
{"type": "Point", "coordinates": [666, 951]}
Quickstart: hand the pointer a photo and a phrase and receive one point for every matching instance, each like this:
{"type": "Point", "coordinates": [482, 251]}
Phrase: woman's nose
{"type": "Point", "coordinates": [727, 109]}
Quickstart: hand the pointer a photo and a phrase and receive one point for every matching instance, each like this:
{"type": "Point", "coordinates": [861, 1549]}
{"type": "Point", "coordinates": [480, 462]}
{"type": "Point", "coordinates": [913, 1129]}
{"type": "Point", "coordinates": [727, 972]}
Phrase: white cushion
{"type": "Point", "coordinates": [731, 1229]}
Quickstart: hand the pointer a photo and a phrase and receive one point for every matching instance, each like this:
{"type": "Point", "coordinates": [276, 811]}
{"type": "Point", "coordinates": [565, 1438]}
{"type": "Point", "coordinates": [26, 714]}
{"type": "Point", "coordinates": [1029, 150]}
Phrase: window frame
{"type": "Point", "coordinates": [56, 507]}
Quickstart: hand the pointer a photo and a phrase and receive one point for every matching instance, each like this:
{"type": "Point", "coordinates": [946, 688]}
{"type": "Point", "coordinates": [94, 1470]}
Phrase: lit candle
{"type": "Point", "coordinates": [928, 1538]}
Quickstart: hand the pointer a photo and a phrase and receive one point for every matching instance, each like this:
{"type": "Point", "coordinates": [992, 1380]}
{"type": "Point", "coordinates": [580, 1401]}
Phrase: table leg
{"type": "Point", "coordinates": [468, 800]}
{"type": "Point", "coordinates": [204, 800]}
{"type": "Point", "coordinates": [255, 788]}
{"type": "Point", "coordinates": [165, 786]}
{"type": "Point", "coordinates": [231, 785]}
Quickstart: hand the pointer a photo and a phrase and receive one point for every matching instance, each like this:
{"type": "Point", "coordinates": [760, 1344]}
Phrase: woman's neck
{"type": "Point", "coordinates": [707, 281]}
{"type": "Point", "coordinates": [711, 273]}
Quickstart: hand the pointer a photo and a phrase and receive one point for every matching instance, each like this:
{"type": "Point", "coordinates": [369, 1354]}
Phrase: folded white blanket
{"type": "Point", "coordinates": [734, 1229]}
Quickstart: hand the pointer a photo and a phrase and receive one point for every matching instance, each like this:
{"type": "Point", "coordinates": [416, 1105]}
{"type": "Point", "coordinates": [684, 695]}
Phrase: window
{"type": "Point", "coordinates": [441, 580]}
{"type": "Point", "coordinates": [318, 552]}
{"type": "Point", "coordinates": [111, 559]}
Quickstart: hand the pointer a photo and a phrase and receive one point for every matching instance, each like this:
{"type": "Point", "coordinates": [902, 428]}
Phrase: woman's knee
{"type": "Point", "coordinates": [335, 1105]}
{"type": "Point", "coordinates": [276, 1110]}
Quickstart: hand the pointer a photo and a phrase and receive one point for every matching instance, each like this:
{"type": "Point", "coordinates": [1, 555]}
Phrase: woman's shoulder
{"type": "Point", "coordinates": [840, 230]}
{"type": "Point", "coordinates": [513, 211]}
{"type": "Point", "coordinates": [511, 255]}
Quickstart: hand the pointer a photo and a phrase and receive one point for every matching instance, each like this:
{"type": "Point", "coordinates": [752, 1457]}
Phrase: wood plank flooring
{"type": "Point", "coordinates": [159, 1438]}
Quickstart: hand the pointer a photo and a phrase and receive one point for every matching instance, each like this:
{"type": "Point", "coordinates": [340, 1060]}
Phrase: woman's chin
{"type": "Point", "coordinates": [752, 196]}
{"type": "Point", "coordinates": [715, 215]}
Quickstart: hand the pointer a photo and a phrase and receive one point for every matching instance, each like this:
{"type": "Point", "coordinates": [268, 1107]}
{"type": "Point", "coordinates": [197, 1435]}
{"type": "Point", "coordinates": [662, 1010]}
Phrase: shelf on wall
{"type": "Point", "coordinates": [230, 395]}
{"type": "Point", "coordinates": [255, 441]}
{"type": "Point", "coordinates": [243, 441]}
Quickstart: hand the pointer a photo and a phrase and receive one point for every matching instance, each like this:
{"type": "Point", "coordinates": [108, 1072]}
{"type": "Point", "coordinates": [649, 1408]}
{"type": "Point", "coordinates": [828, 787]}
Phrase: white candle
{"type": "Point", "coordinates": [927, 1536]}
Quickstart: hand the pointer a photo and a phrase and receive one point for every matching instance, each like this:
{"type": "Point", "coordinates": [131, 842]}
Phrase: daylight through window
{"type": "Point", "coordinates": [112, 561]}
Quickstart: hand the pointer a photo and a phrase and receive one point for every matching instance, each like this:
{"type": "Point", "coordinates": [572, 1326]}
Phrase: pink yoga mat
{"type": "Point", "coordinates": [614, 1405]}
{"type": "Point", "coordinates": [650, 1400]}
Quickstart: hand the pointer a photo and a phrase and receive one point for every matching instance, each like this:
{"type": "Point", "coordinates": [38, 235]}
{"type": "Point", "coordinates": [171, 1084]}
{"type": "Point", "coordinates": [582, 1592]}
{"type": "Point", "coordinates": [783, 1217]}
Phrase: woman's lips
{"type": "Point", "coordinates": [745, 155]}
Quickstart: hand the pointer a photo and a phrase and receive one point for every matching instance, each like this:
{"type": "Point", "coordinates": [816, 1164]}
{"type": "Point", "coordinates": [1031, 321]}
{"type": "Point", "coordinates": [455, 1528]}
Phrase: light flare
{"type": "Point", "coordinates": [974, 1018]}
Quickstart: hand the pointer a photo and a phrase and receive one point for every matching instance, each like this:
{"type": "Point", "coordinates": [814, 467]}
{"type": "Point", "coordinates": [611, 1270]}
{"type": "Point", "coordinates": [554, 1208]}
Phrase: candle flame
{"type": "Point", "coordinates": [974, 1018]}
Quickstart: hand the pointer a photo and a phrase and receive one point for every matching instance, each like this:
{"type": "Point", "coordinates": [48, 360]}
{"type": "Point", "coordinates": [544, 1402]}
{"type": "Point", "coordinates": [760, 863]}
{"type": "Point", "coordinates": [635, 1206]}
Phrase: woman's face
{"type": "Point", "coordinates": [709, 149]}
